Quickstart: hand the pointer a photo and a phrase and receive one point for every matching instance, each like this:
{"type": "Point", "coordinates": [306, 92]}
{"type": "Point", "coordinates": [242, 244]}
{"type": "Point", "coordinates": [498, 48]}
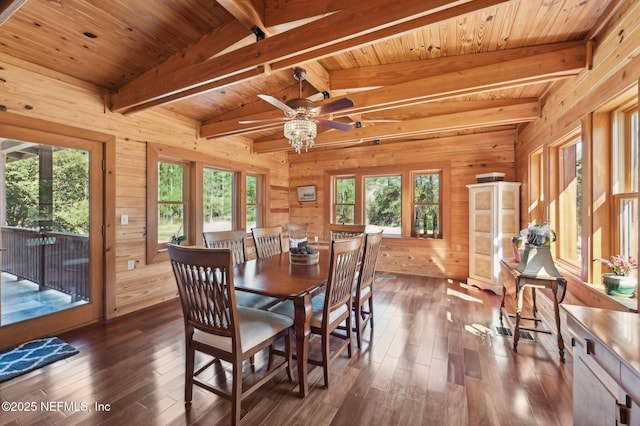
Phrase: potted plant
{"type": "Point", "coordinates": [177, 238]}
{"type": "Point", "coordinates": [540, 235]}
{"type": "Point", "coordinates": [619, 281]}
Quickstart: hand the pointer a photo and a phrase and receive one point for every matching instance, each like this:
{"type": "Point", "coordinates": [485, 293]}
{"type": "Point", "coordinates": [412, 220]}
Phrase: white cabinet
{"type": "Point", "coordinates": [606, 366]}
{"type": "Point", "coordinates": [494, 218]}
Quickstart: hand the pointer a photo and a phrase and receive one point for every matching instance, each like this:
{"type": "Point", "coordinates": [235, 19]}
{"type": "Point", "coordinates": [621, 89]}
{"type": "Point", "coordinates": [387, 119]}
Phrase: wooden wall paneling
{"type": "Point", "coordinates": [610, 75]}
{"type": "Point", "coordinates": [110, 224]}
{"type": "Point", "coordinates": [616, 68]}
{"type": "Point", "coordinates": [467, 155]}
{"type": "Point", "coordinates": [36, 93]}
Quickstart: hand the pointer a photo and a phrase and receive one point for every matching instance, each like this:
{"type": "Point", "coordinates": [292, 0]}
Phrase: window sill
{"type": "Point", "coordinates": [630, 303]}
{"type": "Point", "coordinates": [595, 295]}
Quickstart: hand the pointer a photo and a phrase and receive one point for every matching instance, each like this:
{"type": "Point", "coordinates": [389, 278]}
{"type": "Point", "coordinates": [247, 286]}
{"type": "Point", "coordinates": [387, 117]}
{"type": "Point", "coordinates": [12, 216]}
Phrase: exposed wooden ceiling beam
{"type": "Point", "coordinates": [247, 13]}
{"type": "Point", "coordinates": [402, 72]}
{"type": "Point", "coordinates": [205, 48]}
{"type": "Point", "coordinates": [8, 8]}
{"type": "Point", "coordinates": [285, 49]}
{"type": "Point", "coordinates": [544, 63]}
{"type": "Point", "coordinates": [455, 9]}
{"type": "Point", "coordinates": [220, 84]}
{"type": "Point", "coordinates": [520, 111]}
{"type": "Point", "coordinates": [251, 16]}
{"type": "Point", "coordinates": [473, 74]}
{"type": "Point", "coordinates": [281, 12]}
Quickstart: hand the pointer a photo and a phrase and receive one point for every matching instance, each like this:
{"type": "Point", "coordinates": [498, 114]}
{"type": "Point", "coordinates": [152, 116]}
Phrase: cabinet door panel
{"type": "Point", "coordinates": [635, 414]}
{"type": "Point", "coordinates": [593, 404]}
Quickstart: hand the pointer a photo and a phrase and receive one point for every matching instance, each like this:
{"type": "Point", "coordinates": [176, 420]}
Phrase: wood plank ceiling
{"type": "Point", "coordinates": [414, 68]}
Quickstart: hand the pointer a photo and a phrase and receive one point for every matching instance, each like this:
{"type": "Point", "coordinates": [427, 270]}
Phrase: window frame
{"type": "Point", "coordinates": [415, 205]}
{"type": "Point", "coordinates": [334, 201]}
{"type": "Point", "coordinates": [197, 161]}
{"type": "Point", "coordinates": [557, 213]}
{"type": "Point", "coordinates": [235, 177]}
{"type": "Point", "coordinates": [365, 200]}
{"type": "Point", "coordinates": [622, 146]}
{"type": "Point", "coordinates": [406, 171]}
{"type": "Point", "coordinates": [185, 197]}
{"type": "Point", "coordinates": [260, 203]}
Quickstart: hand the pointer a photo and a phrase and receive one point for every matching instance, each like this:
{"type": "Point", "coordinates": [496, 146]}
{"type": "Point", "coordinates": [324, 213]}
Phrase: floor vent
{"type": "Point", "coordinates": [387, 276]}
{"type": "Point", "coordinates": [503, 331]}
{"type": "Point", "coordinates": [525, 335]}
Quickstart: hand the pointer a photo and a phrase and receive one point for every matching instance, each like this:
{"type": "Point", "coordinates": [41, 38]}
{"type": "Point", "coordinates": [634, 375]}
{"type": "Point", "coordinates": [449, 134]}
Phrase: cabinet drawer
{"type": "Point", "coordinates": [594, 350]}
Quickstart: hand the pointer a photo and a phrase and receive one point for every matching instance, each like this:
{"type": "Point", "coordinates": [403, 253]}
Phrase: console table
{"type": "Point", "coordinates": [558, 287]}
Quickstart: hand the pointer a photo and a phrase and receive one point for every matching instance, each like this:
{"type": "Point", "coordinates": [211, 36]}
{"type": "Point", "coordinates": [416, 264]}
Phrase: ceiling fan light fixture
{"type": "Point", "coordinates": [301, 133]}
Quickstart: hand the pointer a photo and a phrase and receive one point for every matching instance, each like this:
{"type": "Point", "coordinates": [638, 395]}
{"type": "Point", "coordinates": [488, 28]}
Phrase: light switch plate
{"type": "Point", "coordinates": [124, 219]}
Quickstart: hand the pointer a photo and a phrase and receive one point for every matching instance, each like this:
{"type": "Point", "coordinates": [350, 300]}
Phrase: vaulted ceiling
{"type": "Point", "coordinates": [413, 68]}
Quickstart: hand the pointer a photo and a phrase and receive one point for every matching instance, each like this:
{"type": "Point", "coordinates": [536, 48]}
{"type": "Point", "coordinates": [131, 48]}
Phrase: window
{"type": "Point", "coordinates": [426, 205]}
{"type": "Point", "coordinates": [536, 208]}
{"type": "Point", "coordinates": [383, 203]}
{"type": "Point", "coordinates": [192, 193]}
{"type": "Point", "coordinates": [218, 200]}
{"type": "Point", "coordinates": [569, 202]}
{"type": "Point", "coordinates": [344, 202]}
{"type": "Point", "coordinates": [254, 201]}
{"type": "Point", "coordinates": [391, 198]}
{"type": "Point", "coordinates": [172, 205]}
{"type": "Point", "coordinates": [625, 180]}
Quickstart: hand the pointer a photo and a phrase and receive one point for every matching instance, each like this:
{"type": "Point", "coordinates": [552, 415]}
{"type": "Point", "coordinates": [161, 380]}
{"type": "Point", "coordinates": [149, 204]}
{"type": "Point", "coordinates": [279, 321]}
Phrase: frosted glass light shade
{"type": "Point", "coordinates": [300, 133]}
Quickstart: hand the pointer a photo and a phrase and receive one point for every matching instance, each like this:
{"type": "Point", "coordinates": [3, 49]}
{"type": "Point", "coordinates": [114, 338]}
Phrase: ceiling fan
{"type": "Point", "coordinates": [301, 115]}
{"type": "Point", "coordinates": [302, 108]}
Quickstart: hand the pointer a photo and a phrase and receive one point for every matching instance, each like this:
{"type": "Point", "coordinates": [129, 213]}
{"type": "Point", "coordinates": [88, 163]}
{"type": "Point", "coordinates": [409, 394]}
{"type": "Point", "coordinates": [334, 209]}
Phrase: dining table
{"type": "Point", "coordinates": [276, 276]}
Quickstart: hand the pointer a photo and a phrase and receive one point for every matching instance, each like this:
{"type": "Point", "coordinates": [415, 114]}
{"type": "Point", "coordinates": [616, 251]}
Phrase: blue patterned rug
{"type": "Point", "coordinates": [32, 355]}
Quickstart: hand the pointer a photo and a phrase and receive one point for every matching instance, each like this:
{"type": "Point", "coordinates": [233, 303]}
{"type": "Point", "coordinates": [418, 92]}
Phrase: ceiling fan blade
{"type": "Point", "coordinates": [276, 103]}
{"type": "Point", "coordinates": [317, 97]}
{"type": "Point", "coordinates": [334, 124]}
{"type": "Point", "coordinates": [334, 106]}
{"type": "Point", "coordinates": [263, 120]}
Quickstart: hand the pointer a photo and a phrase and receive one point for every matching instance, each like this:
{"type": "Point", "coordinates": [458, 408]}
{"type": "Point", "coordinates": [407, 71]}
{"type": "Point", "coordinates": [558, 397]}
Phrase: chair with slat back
{"type": "Point", "coordinates": [363, 294]}
{"type": "Point", "coordinates": [216, 326]}
{"type": "Point", "coordinates": [340, 231]}
{"type": "Point", "coordinates": [332, 308]}
{"type": "Point", "coordinates": [236, 241]}
{"type": "Point", "coordinates": [267, 241]}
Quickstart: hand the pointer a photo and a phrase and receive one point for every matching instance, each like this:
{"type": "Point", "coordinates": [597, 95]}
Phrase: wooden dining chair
{"type": "Point", "coordinates": [216, 326]}
{"type": "Point", "coordinates": [332, 308]}
{"type": "Point", "coordinates": [267, 241]}
{"type": "Point", "coordinates": [339, 231]}
{"type": "Point", "coordinates": [236, 241]}
{"type": "Point", "coordinates": [363, 294]}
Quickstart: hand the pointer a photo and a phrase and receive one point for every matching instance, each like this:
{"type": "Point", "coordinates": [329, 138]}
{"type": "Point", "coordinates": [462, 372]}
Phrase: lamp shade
{"type": "Point", "coordinates": [537, 262]}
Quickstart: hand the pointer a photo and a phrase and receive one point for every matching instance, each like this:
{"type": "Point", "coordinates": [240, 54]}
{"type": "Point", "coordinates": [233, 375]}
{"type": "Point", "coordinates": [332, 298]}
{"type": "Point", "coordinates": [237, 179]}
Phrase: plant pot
{"type": "Point", "coordinates": [619, 285]}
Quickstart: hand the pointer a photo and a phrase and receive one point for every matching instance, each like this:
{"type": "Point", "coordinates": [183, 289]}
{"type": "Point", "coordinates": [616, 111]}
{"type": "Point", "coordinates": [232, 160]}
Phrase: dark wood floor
{"type": "Point", "coordinates": [434, 358]}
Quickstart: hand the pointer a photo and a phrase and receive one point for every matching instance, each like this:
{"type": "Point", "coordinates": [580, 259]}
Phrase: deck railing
{"type": "Point", "coordinates": [53, 260]}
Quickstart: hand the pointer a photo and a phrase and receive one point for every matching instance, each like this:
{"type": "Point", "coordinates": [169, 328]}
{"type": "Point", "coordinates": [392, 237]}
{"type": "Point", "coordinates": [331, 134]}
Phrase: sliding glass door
{"type": "Point", "coordinates": [50, 235]}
